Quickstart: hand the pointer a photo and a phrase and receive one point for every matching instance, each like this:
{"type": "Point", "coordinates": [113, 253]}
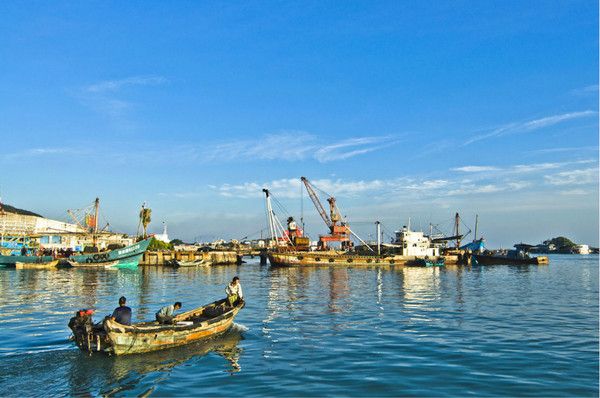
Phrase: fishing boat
{"type": "Point", "coordinates": [11, 261]}
{"type": "Point", "coordinates": [126, 256]}
{"type": "Point", "coordinates": [509, 257]}
{"type": "Point", "coordinates": [114, 338]}
{"type": "Point", "coordinates": [47, 265]}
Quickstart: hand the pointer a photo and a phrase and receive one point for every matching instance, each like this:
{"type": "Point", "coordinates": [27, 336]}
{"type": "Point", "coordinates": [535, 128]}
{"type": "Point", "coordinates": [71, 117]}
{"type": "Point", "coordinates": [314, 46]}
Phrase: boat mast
{"type": "Point", "coordinates": [456, 227]}
{"type": "Point", "coordinates": [476, 222]}
{"type": "Point", "coordinates": [270, 217]}
{"type": "Point", "coordinates": [96, 210]}
{"type": "Point", "coordinates": [378, 224]}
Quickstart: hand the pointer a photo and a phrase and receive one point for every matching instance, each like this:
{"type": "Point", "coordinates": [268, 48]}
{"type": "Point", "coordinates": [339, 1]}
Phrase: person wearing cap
{"type": "Point", "coordinates": [122, 314]}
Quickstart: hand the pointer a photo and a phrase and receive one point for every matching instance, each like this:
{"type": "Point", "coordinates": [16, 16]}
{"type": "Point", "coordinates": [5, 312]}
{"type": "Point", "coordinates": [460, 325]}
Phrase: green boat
{"type": "Point", "coordinates": [128, 256]}
{"type": "Point", "coordinates": [428, 262]}
{"type": "Point", "coordinates": [11, 261]}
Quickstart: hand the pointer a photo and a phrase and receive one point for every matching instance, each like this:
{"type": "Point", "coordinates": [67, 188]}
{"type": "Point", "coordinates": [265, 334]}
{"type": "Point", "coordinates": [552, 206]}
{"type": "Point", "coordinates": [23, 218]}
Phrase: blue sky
{"type": "Point", "coordinates": [400, 109]}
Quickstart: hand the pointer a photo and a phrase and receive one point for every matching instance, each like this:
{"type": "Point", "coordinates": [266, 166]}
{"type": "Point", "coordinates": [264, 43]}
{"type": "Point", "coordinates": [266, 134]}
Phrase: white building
{"type": "Point", "coordinates": [16, 229]}
{"type": "Point", "coordinates": [581, 249]}
{"type": "Point", "coordinates": [413, 243]}
{"type": "Point", "coordinates": [164, 237]}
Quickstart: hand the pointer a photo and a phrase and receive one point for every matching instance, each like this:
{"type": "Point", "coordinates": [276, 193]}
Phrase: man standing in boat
{"type": "Point", "coordinates": [165, 314]}
{"type": "Point", "coordinates": [122, 314]}
{"type": "Point", "coordinates": [234, 291]}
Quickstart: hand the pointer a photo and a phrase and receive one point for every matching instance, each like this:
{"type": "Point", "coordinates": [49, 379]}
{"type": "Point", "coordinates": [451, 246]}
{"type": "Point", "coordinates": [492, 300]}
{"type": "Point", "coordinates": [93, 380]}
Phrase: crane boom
{"type": "Point", "coordinates": [316, 201]}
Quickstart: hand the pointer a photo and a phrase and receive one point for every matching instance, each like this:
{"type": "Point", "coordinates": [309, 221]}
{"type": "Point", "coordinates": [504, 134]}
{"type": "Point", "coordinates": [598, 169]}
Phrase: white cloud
{"type": "Point", "coordinates": [567, 149]}
{"type": "Point", "coordinates": [574, 177]}
{"type": "Point", "coordinates": [574, 192]}
{"type": "Point", "coordinates": [475, 169]}
{"type": "Point", "coordinates": [116, 85]}
{"type": "Point", "coordinates": [39, 152]}
{"type": "Point", "coordinates": [532, 125]}
{"type": "Point", "coordinates": [591, 89]}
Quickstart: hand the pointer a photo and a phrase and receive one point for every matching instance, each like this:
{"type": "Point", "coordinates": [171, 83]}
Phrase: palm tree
{"type": "Point", "coordinates": [145, 218]}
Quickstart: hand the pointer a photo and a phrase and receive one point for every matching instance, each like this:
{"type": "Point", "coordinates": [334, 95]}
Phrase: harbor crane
{"type": "Point", "coordinates": [338, 231]}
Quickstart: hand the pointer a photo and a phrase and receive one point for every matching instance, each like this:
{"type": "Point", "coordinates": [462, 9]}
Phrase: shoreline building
{"type": "Point", "coordinates": [20, 228]}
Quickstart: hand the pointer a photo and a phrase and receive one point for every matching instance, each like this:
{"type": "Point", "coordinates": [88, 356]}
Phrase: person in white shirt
{"type": "Point", "coordinates": [234, 291]}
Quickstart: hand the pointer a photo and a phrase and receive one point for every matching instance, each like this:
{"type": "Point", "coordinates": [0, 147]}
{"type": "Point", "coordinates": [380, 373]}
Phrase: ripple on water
{"type": "Point", "coordinates": [387, 331]}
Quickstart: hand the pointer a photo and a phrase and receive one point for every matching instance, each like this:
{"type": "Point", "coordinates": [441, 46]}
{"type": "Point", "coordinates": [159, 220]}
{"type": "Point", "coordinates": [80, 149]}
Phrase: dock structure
{"type": "Point", "coordinates": [165, 256]}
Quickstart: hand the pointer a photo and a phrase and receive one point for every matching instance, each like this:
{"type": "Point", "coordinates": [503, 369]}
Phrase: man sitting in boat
{"type": "Point", "coordinates": [234, 291]}
{"type": "Point", "coordinates": [165, 314]}
{"type": "Point", "coordinates": [122, 314]}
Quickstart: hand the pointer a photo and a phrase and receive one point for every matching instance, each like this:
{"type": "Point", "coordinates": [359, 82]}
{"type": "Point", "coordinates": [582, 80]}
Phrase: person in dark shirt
{"type": "Point", "coordinates": [122, 314]}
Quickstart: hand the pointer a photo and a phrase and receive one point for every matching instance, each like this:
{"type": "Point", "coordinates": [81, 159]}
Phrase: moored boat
{"type": "Point", "coordinates": [11, 261]}
{"type": "Point", "coordinates": [428, 262]}
{"type": "Point", "coordinates": [114, 338]}
{"type": "Point", "coordinates": [126, 256]}
{"type": "Point", "coordinates": [196, 263]}
{"type": "Point", "coordinates": [47, 265]}
{"type": "Point", "coordinates": [338, 258]}
{"type": "Point", "coordinates": [511, 257]}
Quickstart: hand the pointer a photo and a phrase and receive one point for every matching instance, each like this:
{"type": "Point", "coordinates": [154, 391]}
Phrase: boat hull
{"type": "Point", "coordinates": [332, 258]}
{"type": "Point", "coordinates": [118, 339]}
{"type": "Point", "coordinates": [479, 259]}
{"type": "Point", "coordinates": [48, 265]}
{"type": "Point", "coordinates": [128, 256]}
{"type": "Point", "coordinates": [11, 261]}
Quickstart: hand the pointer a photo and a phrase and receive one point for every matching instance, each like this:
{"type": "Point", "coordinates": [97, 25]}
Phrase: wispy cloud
{"type": "Point", "coordinates": [574, 177]}
{"type": "Point", "coordinates": [286, 145]}
{"type": "Point", "coordinates": [106, 98]}
{"type": "Point", "coordinates": [40, 152]}
{"type": "Point", "coordinates": [528, 126]}
{"type": "Point", "coordinates": [475, 169]}
{"type": "Point", "coordinates": [520, 168]}
{"type": "Point", "coordinates": [349, 148]}
{"type": "Point", "coordinates": [567, 149]}
{"type": "Point", "coordinates": [591, 89]}
{"type": "Point", "coordinates": [381, 188]}
{"type": "Point", "coordinates": [116, 85]}
{"type": "Point", "coordinates": [294, 146]}
{"type": "Point", "coordinates": [575, 192]}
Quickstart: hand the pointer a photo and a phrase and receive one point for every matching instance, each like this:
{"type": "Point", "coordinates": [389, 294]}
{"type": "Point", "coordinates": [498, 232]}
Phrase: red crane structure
{"type": "Point", "coordinates": [338, 231]}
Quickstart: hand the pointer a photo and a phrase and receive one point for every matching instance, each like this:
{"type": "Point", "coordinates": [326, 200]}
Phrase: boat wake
{"type": "Point", "coordinates": [239, 328]}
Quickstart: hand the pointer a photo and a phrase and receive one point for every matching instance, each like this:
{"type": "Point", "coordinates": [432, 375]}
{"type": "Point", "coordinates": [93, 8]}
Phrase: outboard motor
{"type": "Point", "coordinates": [82, 322]}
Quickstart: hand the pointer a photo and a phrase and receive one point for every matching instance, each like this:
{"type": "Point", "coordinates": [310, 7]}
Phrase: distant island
{"type": "Point", "coordinates": [559, 245]}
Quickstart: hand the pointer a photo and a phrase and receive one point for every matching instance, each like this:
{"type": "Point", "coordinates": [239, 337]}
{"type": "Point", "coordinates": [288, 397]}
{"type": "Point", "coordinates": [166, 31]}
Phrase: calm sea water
{"type": "Point", "coordinates": [495, 331]}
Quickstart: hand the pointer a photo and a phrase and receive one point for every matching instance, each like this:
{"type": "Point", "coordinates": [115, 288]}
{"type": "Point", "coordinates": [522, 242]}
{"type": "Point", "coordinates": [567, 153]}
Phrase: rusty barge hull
{"type": "Point", "coordinates": [333, 258]}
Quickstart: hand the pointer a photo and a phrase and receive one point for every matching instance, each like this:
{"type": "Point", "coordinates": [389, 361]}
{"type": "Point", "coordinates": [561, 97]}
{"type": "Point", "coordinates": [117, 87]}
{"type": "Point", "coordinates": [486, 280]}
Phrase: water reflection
{"type": "Point", "coordinates": [117, 375]}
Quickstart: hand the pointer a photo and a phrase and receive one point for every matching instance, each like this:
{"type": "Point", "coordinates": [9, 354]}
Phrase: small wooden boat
{"type": "Point", "coordinates": [111, 337]}
{"type": "Point", "coordinates": [48, 265]}
{"type": "Point", "coordinates": [196, 263]}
